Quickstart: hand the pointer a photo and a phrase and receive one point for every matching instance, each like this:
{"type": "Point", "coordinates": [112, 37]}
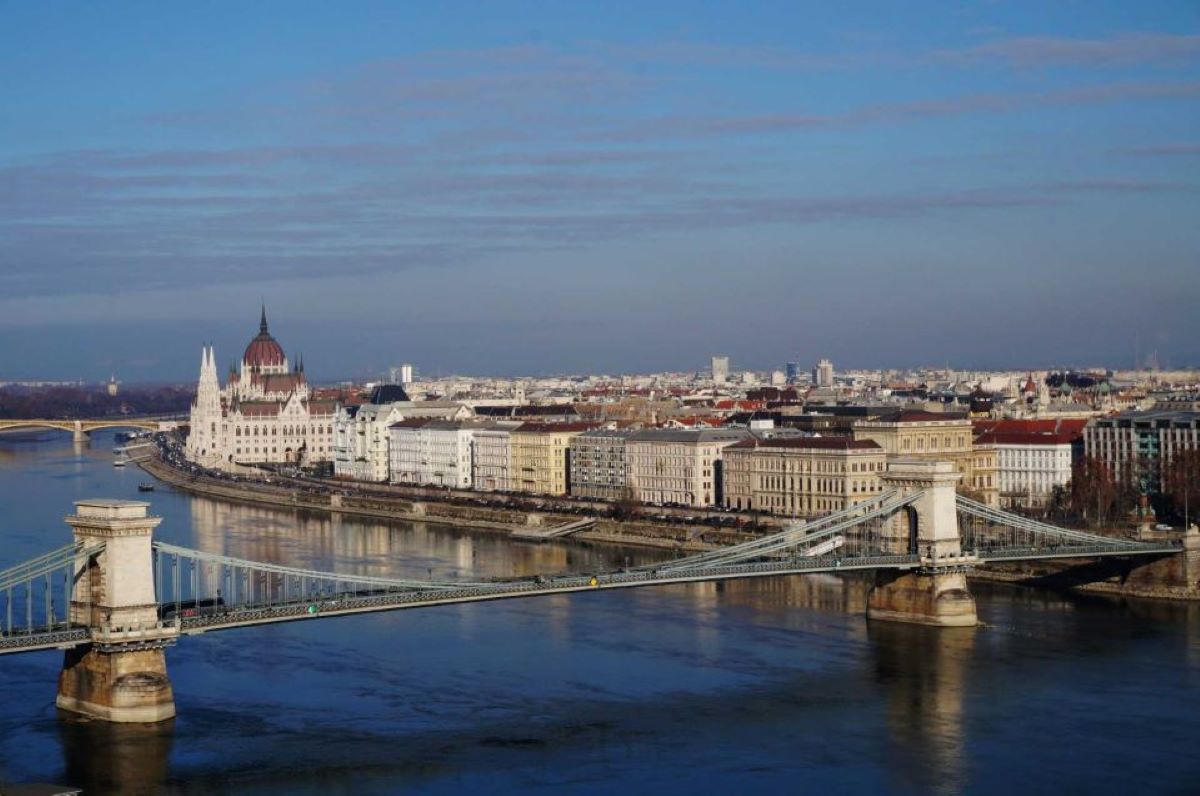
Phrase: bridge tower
{"type": "Point", "coordinates": [121, 675]}
{"type": "Point", "coordinates": [936, 594]}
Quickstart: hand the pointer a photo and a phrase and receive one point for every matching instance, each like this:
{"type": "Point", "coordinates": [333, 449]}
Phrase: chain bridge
{"type": "Point", "coordinates": [115, 597]}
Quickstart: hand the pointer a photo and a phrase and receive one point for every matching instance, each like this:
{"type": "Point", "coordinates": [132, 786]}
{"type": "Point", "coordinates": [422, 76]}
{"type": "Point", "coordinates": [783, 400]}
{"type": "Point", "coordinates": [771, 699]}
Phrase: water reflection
{"type": "Point", "coordinates": [378, 549]}
{"type": "Point", "coordinates": [755, 685]}
{"type": "Point", "coordinates": [924, 672]}
{"type": "Point", "coordinates": [106, 758]}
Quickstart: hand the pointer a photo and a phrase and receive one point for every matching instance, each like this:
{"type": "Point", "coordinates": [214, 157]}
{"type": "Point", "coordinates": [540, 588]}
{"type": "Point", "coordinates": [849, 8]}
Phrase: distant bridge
{"type": "Point", "coordinates": [114, 599]}
{"type": "Point", "coordinates": [80, 429]}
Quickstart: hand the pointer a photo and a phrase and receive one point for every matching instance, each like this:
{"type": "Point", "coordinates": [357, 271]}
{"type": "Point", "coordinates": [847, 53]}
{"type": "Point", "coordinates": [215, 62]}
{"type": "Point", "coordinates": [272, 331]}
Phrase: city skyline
{"type": "Point", "coordinates": [172, 363]}
{"type": "Point", "coordinates": [1004, 185]}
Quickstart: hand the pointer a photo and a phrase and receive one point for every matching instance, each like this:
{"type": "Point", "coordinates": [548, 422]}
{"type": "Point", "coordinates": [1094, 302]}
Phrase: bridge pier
{"type": "Point", "coordinates": [78, 434]}
{"type": "Point", "coordinates": [121, 674]}
{"type": "Point", "coordinates": [936, 594]}
{"type": "Point", "coordinates": [939, 599]}
{"type": "Point", "coordinates": [1175, 575]}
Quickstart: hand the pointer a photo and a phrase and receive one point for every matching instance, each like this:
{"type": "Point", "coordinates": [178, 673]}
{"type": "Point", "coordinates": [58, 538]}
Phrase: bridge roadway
{"type": "Point", "coordinates": [203, 620]}
{"type": "Point", "coordinates": [350, 603]}
{"type": "Point", "coordinates": [81, 427]}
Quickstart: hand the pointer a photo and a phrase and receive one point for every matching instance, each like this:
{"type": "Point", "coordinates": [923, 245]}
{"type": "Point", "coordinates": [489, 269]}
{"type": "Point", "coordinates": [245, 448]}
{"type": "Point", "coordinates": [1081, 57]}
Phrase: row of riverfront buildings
{"type": "Point", "coordinates": [751, 453]}
{"type": "Point", "coordinates": [757, 467]}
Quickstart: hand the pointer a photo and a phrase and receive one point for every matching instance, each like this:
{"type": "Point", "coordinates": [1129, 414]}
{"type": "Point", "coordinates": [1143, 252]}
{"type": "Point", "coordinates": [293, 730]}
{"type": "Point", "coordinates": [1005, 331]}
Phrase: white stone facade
{"type": "Point", "coordinates": [1029, 472]}
{"type": "Point", "coordinates": [492, 467]}
{"type": "Point", "coordinates": [264, 415]}
{"type": "Point", "coordinates": [362, 437]}
{"type": "Point", "coordinates": [677, 467]}
{"type": "Point", "coordinates": [436, 452]}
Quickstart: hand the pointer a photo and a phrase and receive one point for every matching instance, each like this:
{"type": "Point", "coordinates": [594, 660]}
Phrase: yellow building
{"type": "Point", "coordinates": [539, 456]}
{"type": "Point", "coordinates": [937, 436]}
{"type": "Point", "coordinates": [801, 476]}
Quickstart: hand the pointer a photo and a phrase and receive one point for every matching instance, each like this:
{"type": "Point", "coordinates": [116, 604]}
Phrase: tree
{"type": "Point", "coordinates": [1094, 492]}
{"type": "Point", "coordinates": [1181, 483]}
{"type": "Point", "coordinates": [627, 506]}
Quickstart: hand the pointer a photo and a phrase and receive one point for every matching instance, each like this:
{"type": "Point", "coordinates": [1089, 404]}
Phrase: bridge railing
{"type": "Point", "coordinates": [985, 527]}
{"type": "Point", "coordinates": [345, 602]}
{"type": "Point", "coordinates": [862, 536]}
{"type": "Point", "coordinates": [35, 596]}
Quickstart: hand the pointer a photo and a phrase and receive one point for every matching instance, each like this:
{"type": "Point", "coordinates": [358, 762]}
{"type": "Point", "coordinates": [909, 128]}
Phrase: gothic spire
{"type": "Point", "coordinates": [262, 324]}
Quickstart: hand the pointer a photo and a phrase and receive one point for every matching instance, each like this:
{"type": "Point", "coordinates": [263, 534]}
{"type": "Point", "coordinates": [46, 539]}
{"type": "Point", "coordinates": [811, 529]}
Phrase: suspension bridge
{"type": "Point", "coordinates": [115, 597]}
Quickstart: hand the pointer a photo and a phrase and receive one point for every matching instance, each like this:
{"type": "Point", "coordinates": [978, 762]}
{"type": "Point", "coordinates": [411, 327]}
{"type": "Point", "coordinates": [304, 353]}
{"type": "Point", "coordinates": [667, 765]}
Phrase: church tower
{"type": "Point", "coordinates": [205, 419]}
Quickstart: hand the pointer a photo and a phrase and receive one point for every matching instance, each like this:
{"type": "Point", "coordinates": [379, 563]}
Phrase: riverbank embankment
{"type": "Point", "coordinates": [483, 519]}
{"type": "Point", "coordinates": [1162, 579]}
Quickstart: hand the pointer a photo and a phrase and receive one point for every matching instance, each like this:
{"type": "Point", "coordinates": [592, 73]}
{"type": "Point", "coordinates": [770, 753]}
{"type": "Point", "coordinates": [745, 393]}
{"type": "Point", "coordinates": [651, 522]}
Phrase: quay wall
{"type": "Point", "coordinates": [489, 519]}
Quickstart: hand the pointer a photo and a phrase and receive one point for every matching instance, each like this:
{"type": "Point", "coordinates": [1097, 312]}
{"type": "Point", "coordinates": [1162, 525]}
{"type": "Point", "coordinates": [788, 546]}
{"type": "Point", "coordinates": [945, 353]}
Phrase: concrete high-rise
{"type": "Point", "coordinates": [720, 369]}
{"type": "Point", "coordinates": [822, 374]}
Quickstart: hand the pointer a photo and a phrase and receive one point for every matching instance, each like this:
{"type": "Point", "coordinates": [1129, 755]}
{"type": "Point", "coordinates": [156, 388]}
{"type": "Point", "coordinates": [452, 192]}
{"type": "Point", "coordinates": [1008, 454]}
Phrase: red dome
{"type": "Point", "coordinates": [263, 350]}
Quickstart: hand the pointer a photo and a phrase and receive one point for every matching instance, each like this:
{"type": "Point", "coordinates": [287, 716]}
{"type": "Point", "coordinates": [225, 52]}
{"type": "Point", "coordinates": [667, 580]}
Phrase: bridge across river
{"type": "Point", "coordinates": [115, 598]}
{"type": "Point", "coordinates": [81, 428]}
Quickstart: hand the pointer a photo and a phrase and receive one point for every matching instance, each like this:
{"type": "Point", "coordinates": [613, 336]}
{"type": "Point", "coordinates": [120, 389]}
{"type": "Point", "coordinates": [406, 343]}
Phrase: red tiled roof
{"type": "Point", "coordinates": [1024, 438]}
{"type": "Point", "coordinates": [553, 428]}
{"type": "Point", "coordinates": [745, 406]}
{"type": "Point", "coordinates": [1073, 426]}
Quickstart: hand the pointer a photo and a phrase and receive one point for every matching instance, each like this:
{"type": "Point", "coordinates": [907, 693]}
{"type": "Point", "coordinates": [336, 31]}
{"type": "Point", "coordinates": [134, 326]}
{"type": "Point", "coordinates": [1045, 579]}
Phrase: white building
{"type": "Point", "coordinates": [265, 414]}
{"type": "Point", "coordinates": [1030, 465]}
{"type": "Point", "coordinates": [361, 441]}
{"type": "Point", "coordinates": [492, 467]}
{"type": "Point", "coordinates": [680, 467]}
{"type": "Point", "coordinates": [361, 436]}
{"type": "Point", "coordinates": [433, 452]}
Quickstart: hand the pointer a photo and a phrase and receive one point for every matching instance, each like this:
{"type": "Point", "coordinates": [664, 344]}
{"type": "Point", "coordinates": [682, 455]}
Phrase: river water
{"type": "Point", "coordinates": [767, 686]}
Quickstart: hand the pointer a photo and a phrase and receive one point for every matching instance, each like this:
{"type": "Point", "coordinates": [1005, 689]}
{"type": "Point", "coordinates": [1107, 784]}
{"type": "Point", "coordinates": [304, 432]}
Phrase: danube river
{"type": "Point", "coordinates": [771, 686]}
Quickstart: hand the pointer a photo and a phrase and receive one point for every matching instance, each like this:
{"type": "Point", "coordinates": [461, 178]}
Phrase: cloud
{"type": "Point", "coordinates": [1118, 185]}
{"type": "Point", "coordinates": [1122, 50]}
{"type": "Point", "coordinates": [684, 127]}
{"type": "Point", "coordinates": [1160, 150]}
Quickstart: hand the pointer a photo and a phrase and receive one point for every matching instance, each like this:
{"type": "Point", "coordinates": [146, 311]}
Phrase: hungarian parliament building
{"type": "Point", "coordinates": [263, 414]}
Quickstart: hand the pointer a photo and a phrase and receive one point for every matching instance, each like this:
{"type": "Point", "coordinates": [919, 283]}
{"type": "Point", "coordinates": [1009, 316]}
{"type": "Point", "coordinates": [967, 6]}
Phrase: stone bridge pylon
{"type": "Point", "coordinates": [936, 593]}
{"type": "Point", "coordinates": [121, 675]}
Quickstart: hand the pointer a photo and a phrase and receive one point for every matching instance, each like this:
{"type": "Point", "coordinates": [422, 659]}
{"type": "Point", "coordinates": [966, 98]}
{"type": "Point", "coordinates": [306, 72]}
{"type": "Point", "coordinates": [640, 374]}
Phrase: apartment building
{"type": "Point", "coordinates": [801, 476]}
{"type": "Point", "coordinates": [362, 434]}
{"type": "Point", "coordinates": [598, 464]}
{"type": "Point", "coordinates": [360, 441]}
{"type": "Point", "coordinates": [491, 470]}
{"type": "Point", "coordinates": [678, 466]}
{"type": "Point", "coordinates": [1137, 445]}
{"type": "Point", "coordinates": [540, 455]}
{"type": "Point", "coordinates": [936, 436]}
{"type": "Point", "coordinates": [1033, 457]}
{"type": "Point", "coordinates": [433, 452]}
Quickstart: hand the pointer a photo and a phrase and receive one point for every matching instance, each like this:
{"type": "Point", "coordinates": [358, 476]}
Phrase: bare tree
{"type": "Point", "coordinates": [1181, 483]}
{"type": "Point", "coordinates": [1094, 492]}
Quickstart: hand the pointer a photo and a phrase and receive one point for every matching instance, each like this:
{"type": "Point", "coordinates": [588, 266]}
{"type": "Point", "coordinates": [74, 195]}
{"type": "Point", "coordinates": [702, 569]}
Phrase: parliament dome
{"type": "Point", "coordinates": [263, 350]}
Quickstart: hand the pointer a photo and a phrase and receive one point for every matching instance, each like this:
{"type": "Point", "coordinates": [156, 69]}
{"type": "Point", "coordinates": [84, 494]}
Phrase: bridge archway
{"type": "Point", "coordinates": [914, 530]}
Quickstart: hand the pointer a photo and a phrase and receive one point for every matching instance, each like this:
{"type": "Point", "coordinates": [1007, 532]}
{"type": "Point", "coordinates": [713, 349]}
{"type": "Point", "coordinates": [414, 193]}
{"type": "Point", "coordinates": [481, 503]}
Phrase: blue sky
{"type": "Point", "coordinates": [547, 187]}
